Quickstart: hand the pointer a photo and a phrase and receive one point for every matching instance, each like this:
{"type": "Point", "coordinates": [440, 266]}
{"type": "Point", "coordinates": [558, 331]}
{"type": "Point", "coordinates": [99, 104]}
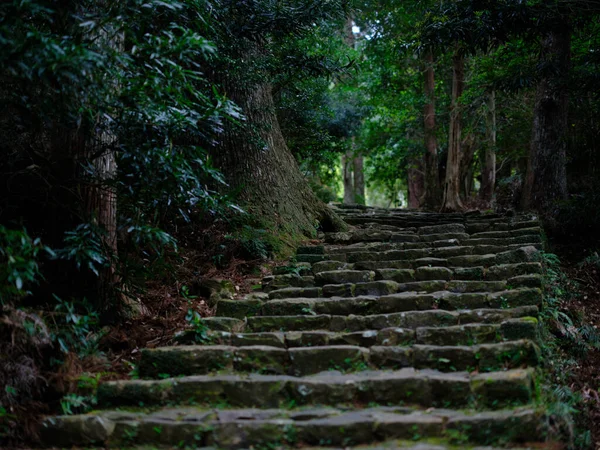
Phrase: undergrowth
{"type": "Point", "coordinates": [566, 341]}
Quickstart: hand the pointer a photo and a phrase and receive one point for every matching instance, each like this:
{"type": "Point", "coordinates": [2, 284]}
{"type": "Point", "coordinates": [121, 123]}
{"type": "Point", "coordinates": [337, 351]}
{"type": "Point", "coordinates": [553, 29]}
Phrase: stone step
{"type": "Point", "coordinates": [423, 388]}
{"type": "Point", "coordinates": [412, 320]}
{"type": "Point", "coordinates": [272, 428]}
{"type": "Point", "coordinates": [300, 361]}
{"type": "Point", "coordinates": [378, 297]}
{"type": "Point", "coordinates": [458, 256]}
{"type": "Point", "coordinates": [397, 238]}
{"type": "Point", "coordinates": [470, 334]}
{"type": "Point", "coordinates": [422, 279]}
{"type": "Point", "coordinates": [500, 272]}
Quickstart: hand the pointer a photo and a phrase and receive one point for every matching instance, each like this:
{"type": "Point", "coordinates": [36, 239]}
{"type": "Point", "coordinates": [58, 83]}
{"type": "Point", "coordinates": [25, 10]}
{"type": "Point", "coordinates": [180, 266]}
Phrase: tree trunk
{"type": "Point", "coordinates": [266, 175]}
{"type": "Point", "coordinates": [359, 179]}
{"type": "Point", "coordinates": [546, 179]}
{"type": "Point", "coordinates": [432, 196]}
{"type": "Point", "coordinates": [347, 163]}
{"type": "Point", "coordinates": [466, 166]}
{"type": "Point", "coordinates": [488, 163]}
{"type": "Point", "coordinates": [416, 184]}
{"type": "Point", "coordinates": [452, 200]}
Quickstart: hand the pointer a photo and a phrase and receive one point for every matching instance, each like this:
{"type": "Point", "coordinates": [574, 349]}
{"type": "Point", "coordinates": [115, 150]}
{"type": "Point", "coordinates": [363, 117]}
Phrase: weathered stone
{"type": "Point", "coordinates": [382, 287]}
{"type": "Point", "coordinates": [433, 262]}
{"type": "Point", "coordinates": [293, 292]}
{"type": "Point", "coordinates": [511, 354]}
{"type": "Point", "coordinates": [395, 336]}
{"type": "Point", "coordinates": [366, 338]}
{"type": "Point", "coordinates": [344, 276]}
{"type": "Point", "coordinates": [185, 360]}
{"type": "Point", "coordinates": [501, 389]}
{"type": "Point", "coordinates": [524, 328]}
{"type": "Point", "coordinates": [469, 273]}
{"type": "Point", "coordinates": [224, 324]}
{"type": "Point", "coordinates": [288, 323]}
{"type": "Point", "coordinates": [319, 359]}
{"type": "Point", "coordinates": [506, 271]}
{"type": "Point", "coordinates": [339, 290]}
{"type": "Point", "coordinates": [455, 335]}
{"type": "Point", "coordinates": [328, 266]}
{"type": "Point", "coordinates": [406, 301]}
{"type": "Point", "coordinates": [311, 250]}
{"type": "Point", "coordinates": [515, 298]}
{"type": "Point", "coordinates": [457, 237]}
{"type": "Point", "coordinates": [526, 281]}
{"type": "Point", "coordinates": [397, 275]}
{"type": "Point", "coordinates": [502, 426]}
{"type": "Point", "coordinates": [239, 309]}
{"type": "Point", "coordinates": [519, 255]}
{"type": "Point", "coordinates": [290, 307]}
{"type": "Point", "coordinates": [297, 268]}
{"type": "Point", "coordinates": [439, 229]}
{"type": "Point", "coordinates": [444, 358]}
{"type": "Point", "coordinates": [308, 338]}
{"type": "Point", "coordinates": [425, 273]}
{"type": "Point", "coordinates": [249, 339]}
{"type": "Point", "coordinates": [76, 430]}
{"type": "Point", "coordinates": [472, 260]}
{"type": "Point", "coordinates": [453, 301]}
{"type": "Point", "coordinates": [391, 357]}
{"type": "Point", "coordinates": [216, 289]}
{"type": "Point", "coordinates": [311, 259]}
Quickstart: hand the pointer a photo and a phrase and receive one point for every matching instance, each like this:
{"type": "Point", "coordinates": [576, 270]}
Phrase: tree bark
{"type": "Point", "coordinates": [359, 179]}
{"type": "Point", "coordinates": [416, 184]}
{"type": "Point", "coordinates": [466, 166]}
{"type": "Point", "coordinates": [347, 163]}
{"type": "Point", "coordinates": [546, 180]}
{"type": "Point", "coordinates": [452, 200]}
{"type": "Point", "coordinates": [265, 173]}
{"type": "Point", "coordinates": [488, 163]}
{"type": "Point", "coordinates": [432, 193]}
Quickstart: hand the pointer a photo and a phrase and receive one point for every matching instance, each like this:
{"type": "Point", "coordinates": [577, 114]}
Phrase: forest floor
{"type": "Point", "coordinates": [583, 272]}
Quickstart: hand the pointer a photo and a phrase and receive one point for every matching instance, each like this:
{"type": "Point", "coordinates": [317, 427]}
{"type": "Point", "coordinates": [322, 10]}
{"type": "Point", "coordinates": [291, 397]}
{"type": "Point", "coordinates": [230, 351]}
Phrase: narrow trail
{"type": "Point", "coordinates": [412, 330]}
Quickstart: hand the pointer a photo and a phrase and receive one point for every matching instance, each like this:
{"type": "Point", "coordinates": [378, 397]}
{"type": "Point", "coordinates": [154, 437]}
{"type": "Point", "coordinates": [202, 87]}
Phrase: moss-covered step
{"type": "Point", "coordinates": [424, 388]}
{"type": "Point", "coordinates": [457, 256]}
{"type": "Point", "coordinates": [400, 302]}
{"type": "Point", "coordinates": [473, 272]}
{"type": "Point", "coordinates": [370, 235]}
{"type": "Point", "coordinates": [326, 427]}
{"type": "Point", "coordinates": [410, 319]}
{"type": "Point", "coordinates": [470, 334]}
{"type": "Point", "coordinates": [298, 361]}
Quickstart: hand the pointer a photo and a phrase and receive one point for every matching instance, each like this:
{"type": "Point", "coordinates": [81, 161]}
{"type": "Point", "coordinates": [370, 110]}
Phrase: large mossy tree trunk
{"type": "Point", "coordinates": [546, 180]}
{"type": "Point", "coordinates": [432, 194]}
{"type": "Point", "coordinates": [452, 200]}
{"type": "Point", "coordinates": [263, 171]}
{"type": "Point", "coordinates": [488, 159]}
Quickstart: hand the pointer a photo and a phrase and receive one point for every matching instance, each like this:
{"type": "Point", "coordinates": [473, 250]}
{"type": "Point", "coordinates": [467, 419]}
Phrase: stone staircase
{"type": "Point", "coordinates": [412, 330]}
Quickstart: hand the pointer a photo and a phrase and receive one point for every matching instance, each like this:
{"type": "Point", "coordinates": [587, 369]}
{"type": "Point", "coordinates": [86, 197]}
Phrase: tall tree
{"type": "Point", "coordinates": [488, 160]}
{"type": "Point", "coordinates": [432, 177]}
{"type": "Point", "coordinates": [262, 169]}
{"type": "Point", "coordinates": [546, 179]}
{"type": "Point", "coordinates": [452, 201]}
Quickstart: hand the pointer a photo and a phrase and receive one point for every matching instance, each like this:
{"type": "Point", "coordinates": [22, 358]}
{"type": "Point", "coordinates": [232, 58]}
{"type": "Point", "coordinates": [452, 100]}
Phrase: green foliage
{"type": "Point", "coordinates": [199, 328]}
{"type": "Point", "coordinates": [567, 338]}
{"type": "Point", "coordinates": [75, 328]}
{"type": "Point", "coordinates": [19, 267]}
